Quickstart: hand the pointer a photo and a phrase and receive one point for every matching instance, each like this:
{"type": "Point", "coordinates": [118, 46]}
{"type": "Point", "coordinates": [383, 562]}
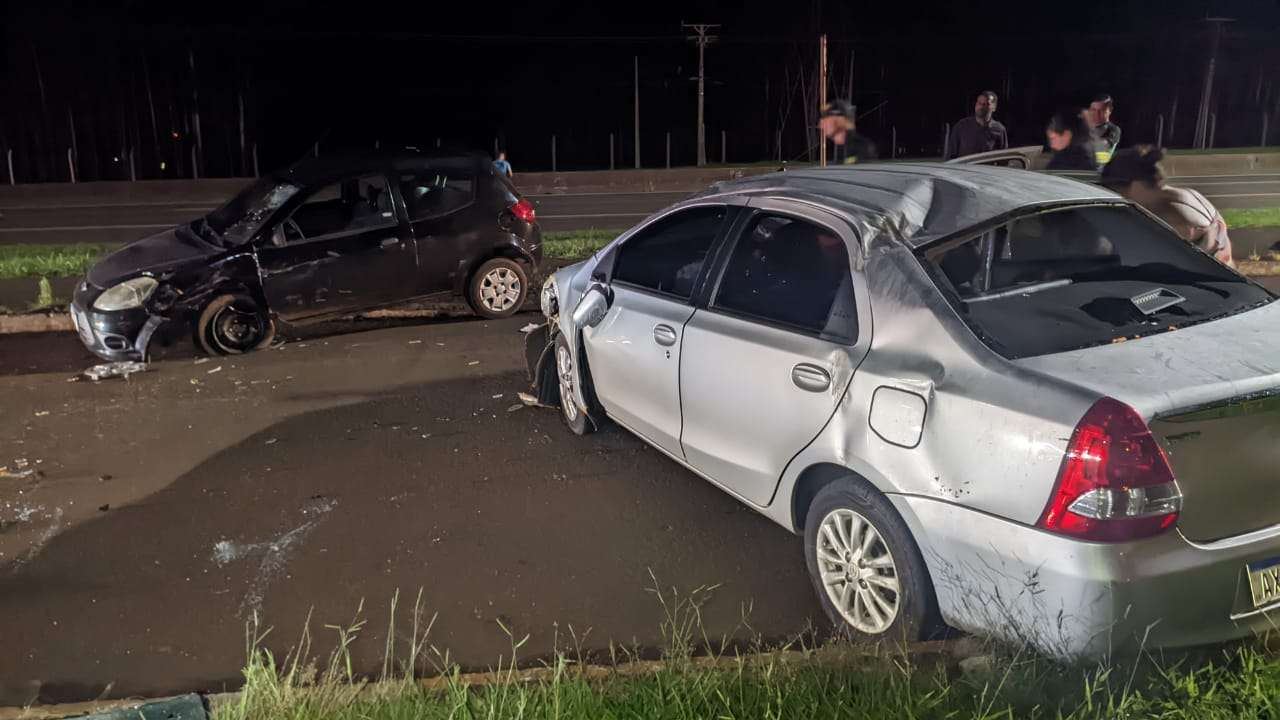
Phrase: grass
{"type": "Point", "coordinates": [1242, 218]}
{"type": "Point", "coordinates": [835, 681]}
{"type": "Point", "coordinates": [23, 261]}
{"type": "Point", "coordinates": [575, 244]}
{"type": "Point", "coordinates": [32, 261]}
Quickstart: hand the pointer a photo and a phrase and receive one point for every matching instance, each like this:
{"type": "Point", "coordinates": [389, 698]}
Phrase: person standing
{"type": "Point", "coordinates": [1067, 135]}
{"type": "Point", "coordinates": [1137, 174]}
{"type": "Point", "coordinates": [1105, 134]}
{"type": "Point", "coordinates": [502, 166]}
{"type": "Point", "coordinates": [979, 133]}
{"type": "Point", "coordinates": [838, 123]}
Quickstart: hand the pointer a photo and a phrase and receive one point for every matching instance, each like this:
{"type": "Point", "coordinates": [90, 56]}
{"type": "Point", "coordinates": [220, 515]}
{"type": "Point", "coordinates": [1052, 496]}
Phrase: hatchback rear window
{"type": "Point", "coordinates": [1077, 277]}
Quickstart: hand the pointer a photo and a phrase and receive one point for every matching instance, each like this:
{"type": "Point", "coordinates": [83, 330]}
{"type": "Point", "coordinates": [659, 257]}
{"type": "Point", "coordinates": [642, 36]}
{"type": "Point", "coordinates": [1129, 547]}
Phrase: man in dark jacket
{"type": "Point", "coordinates": [838, 123]}
{"type": "Point", "coordinates": [980, 133]}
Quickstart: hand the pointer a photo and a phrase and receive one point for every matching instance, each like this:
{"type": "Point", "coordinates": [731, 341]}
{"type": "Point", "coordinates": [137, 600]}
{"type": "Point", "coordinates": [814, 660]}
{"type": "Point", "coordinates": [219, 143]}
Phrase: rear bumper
{"type": "Point", "coordinates": [1078, 599]}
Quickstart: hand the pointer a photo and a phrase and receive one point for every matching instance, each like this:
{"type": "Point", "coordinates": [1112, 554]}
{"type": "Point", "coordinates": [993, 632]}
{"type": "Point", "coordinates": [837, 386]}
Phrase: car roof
{"type": "Point", "coordinates": [320, 169]}
{"type": "Point", "coordinates": [918, 202]}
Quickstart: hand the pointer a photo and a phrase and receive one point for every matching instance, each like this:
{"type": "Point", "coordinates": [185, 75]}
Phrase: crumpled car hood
{"type": "Point", "coordinates": [156, 253]}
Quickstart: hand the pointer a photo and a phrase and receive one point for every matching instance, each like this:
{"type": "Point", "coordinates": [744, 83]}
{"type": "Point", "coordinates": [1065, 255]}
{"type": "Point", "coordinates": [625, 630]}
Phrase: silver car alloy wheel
{"type": "Point", "coordinates": [858, 572]}
{"type": "Point", "coordinates": [564, 366]}
{"type": "Point", "coordinates": [499, 289]}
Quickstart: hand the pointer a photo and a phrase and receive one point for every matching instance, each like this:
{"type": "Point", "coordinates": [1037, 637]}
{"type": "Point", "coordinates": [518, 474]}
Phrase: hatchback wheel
{"type": "Point", "coordinates": [234, 324]}
{"type": "Point", "coordinates": [865, 566]}
{"type": "Point", "coordinates": [498, 288]}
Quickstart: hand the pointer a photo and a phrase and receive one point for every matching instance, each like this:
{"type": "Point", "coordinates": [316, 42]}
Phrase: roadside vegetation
{"type": "Point", "coordinates": [30, 261]}
{"type": "Point", "coordinates": [1244, 218]}
{"type": "Point", "coordinates": [700, 677]}
{"type": "Point", "coordinates": [576, 244]}
{"type": "Point", "coordinates": [33, 261]}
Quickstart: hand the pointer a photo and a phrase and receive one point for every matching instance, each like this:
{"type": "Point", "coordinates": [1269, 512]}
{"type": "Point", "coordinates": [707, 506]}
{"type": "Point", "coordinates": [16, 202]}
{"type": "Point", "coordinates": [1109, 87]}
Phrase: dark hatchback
{"type": "Point", "coordinates": [325, 237]}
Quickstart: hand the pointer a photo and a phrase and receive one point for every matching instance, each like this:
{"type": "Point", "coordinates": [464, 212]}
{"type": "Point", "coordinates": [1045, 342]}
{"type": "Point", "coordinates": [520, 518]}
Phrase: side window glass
{"type": "Point", "coordinates": [791, 273]}
{"type": "Point", "coordinates": [348, 205]}
{"type": "Point", "coordinates": [430, 193]}
{"type": "Point", "coordinates": [667, 256]}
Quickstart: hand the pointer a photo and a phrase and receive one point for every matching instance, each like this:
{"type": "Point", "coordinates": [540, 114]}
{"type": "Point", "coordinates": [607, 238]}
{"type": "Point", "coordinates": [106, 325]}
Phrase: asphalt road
{"type": "Point", "coordinates": [58, 224]}
{"type": "Point", "coordinates": [170, 508]}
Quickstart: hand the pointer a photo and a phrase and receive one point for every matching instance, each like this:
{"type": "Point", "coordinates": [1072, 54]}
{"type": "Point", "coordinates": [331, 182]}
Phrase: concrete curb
{"type": "Point", "coordinates": [930, 654]}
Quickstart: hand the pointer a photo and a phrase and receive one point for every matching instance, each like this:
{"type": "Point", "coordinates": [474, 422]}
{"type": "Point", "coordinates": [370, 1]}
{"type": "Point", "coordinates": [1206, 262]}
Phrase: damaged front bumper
{"type": "Point", "coordinates": [118, 335]}
{"type": "Point", "coordinates": [540, 362]}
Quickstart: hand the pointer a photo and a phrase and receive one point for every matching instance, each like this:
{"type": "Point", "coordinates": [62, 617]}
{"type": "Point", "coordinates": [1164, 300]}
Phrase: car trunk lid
{"type": "Point", "coordinates": [1211, 395]}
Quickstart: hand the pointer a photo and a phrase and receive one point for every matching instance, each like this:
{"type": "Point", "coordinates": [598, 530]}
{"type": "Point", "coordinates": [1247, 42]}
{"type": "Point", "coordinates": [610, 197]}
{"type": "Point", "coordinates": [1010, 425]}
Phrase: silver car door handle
{"type": "Point", "coordinates": [664, 335]}
{"type": "Point", "coordinates": [388, 242]}
{"type": "Point", "coordinates": [810, 377]}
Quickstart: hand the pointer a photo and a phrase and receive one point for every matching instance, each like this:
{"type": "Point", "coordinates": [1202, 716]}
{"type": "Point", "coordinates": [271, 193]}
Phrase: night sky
{"type": "Point", "coordinates": [354, 74]}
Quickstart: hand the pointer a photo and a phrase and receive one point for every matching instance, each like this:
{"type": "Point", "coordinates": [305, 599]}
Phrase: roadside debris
{"type": "Point", "coordinates": [528, 399]}
{"type": "Point", "coordinates": [514, 408]}
{"type": "Point", "coordinates": [529, 328]}
{"type": "Point", "coordinates": [272, 441]}
{"type": "Point", "coordinates": [201, 361]}
{"type": "Point", "coordinates": [217, 369]}
{"type": "Point", "coordinates": [42, 413]}
{"type": "Point", "coordinates": [415, 342]}
{"type": "Point", "coordinates": [473, 362]}
{"type": "Point", "coordinates": [115, 369]}
{"type": "Point", "coordinates": [498, 396]}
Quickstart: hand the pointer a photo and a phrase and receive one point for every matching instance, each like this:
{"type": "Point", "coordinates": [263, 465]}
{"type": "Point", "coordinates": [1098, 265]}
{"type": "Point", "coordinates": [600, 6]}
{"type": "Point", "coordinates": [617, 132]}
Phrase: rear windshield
{"type": "Point", "coordinates": [1083, 276]}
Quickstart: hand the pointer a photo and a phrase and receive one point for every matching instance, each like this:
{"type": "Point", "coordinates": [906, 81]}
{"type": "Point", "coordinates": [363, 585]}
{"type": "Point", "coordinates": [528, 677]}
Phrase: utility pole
{"type": "Point", "coordinates": [822, 95]}
{"type": "Point", "coordinates": [1202, 119]}
{"type": "Point", "coordinates": [637, 103]}
{"type": "Point", "coordinates": [703, 39]}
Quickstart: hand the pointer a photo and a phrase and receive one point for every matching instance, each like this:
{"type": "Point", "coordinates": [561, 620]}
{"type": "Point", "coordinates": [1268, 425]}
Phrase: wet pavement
{"type": "Point", "coordinates": [166, 511]}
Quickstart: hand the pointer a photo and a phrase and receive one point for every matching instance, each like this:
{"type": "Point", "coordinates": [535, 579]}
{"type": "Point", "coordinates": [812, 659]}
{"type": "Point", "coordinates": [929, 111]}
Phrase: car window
{"type": "Point", "coordinates": [348, 205]}
{"type": "Point", "coordinates": [431, 192]}
{"type": "Point", "coordinates": [1073, 278]}
{"type": "Point", "coordinates": [668, 255]}
{"type": "Point", "coordinates": [791, 273]}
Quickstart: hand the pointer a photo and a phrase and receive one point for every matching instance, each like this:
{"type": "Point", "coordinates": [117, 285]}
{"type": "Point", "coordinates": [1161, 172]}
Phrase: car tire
{"type": "Point", "coordinates": [573, 416]}
{"type": "Point", "coordinates": [892, 557]}
{"type": "Point", "coordinates": [233, 324]}
{"type": "Point", "coordinates": [498, 289]}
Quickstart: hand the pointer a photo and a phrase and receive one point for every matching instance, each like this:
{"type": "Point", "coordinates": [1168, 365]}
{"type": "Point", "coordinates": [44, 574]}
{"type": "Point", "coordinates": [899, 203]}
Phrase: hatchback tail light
{"type": "Point", "coordinates": [523, 209]}
{"type": "Point", "coordinates": [1115, 483]}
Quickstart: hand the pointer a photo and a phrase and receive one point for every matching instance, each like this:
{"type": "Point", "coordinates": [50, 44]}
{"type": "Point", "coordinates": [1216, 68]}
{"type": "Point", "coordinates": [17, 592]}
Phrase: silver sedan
{"type": "Point", "coordinates": [1002, 401]}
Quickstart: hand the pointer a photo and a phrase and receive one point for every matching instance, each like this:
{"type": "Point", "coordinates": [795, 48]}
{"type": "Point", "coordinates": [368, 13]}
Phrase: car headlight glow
{"type": "Point", "coordinates": [550, 298]}
{"type": "Point", "coordinates": [127, 295]}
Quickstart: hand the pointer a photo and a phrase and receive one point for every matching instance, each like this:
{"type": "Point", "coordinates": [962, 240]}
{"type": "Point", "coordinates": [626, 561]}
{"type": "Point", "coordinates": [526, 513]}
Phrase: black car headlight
{"type": "Point", "coordinates": [127, 295]}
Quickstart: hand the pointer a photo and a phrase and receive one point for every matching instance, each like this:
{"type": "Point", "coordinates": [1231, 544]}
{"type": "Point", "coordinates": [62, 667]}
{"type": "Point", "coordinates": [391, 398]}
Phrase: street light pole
{"type": "Point", "coordinates": [703, 39]}
{"type": "Point", "coordinates": [1206, 95]}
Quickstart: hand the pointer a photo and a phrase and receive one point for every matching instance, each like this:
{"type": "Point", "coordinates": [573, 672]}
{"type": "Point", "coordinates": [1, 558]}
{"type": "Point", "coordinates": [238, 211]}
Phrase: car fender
{"type": "Point", "coordinates": [508, 247]}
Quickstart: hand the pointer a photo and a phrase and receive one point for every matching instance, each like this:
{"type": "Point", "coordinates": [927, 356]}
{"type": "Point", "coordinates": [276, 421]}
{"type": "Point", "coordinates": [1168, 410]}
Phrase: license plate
{"type": "Point", "coordinates": [1264, 582]}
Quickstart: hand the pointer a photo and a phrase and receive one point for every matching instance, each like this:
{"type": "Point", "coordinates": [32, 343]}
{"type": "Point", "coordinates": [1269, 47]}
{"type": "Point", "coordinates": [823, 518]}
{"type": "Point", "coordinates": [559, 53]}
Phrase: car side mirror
{"type": "Point", "coordinates": [593, 307]}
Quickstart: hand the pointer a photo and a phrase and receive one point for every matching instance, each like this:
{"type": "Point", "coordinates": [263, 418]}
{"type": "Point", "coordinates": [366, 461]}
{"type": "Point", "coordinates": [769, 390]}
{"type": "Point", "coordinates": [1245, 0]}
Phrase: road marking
{"type": "Point", "coordinates": [77, 228]}
{"type": "Point", "coordinates": [92, 206]}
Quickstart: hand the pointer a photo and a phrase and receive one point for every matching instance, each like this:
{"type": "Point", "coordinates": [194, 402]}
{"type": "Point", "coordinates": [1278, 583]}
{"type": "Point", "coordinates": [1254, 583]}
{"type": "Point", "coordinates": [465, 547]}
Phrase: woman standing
{"type": "Point", "coordinates": [1068, 137]}
{"type": "Point", "coordinates": [1136, 174]}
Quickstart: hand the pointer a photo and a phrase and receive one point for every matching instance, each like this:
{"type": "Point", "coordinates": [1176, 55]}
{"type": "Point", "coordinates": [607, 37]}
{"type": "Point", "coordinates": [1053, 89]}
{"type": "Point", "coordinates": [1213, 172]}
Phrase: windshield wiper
{"type": "Point", "coordinates": [1021, 290]}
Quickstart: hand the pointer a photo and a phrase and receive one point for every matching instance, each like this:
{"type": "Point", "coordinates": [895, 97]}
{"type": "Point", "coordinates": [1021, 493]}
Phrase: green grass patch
{"type": "Point", "coordinates": [575, 244]}
{"type": "Point", "coordinates": [701, 677]}
{"type": "Point", "coordinates": [1242, 218]}
{"type": "Point", "coordinates": [22, 261]}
